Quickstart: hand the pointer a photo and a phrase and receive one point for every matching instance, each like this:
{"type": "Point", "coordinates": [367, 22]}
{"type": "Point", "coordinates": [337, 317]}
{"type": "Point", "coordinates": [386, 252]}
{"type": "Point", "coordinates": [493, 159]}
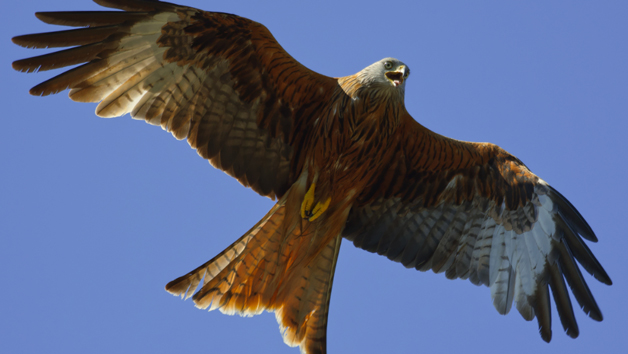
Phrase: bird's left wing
{"type": "Point", "coordinates": [218, 80]}
{"type": "Point", "coordinates": [476, 212]}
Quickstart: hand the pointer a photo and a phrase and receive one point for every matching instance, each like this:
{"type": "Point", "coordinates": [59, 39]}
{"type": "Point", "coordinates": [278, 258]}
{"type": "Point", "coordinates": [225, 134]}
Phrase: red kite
{"type": "Point", "coordinates": [342, 156]}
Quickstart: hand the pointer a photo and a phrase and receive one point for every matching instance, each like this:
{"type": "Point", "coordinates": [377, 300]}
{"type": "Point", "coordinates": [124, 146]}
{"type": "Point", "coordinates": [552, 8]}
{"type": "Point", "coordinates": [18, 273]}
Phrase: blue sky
{"type": "Point", "coordinates": [97, 215]}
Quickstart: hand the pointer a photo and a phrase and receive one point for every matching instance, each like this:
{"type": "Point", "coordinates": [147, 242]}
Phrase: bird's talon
{"type": "Point", "coordinates": [307, 212]}
{"type": "Point", "coordinates": [319, 209]}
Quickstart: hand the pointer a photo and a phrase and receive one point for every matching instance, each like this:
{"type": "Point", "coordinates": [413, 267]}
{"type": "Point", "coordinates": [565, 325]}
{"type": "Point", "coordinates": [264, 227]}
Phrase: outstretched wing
{"type": "Point", "coordinates": [476, 212]}
{"type": "Point", "coordinates": [220, 81]}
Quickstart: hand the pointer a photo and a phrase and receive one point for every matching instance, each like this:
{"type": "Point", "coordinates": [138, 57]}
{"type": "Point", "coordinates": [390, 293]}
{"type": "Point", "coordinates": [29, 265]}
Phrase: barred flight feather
{"type": "Point", "coordinates": [90, 18]}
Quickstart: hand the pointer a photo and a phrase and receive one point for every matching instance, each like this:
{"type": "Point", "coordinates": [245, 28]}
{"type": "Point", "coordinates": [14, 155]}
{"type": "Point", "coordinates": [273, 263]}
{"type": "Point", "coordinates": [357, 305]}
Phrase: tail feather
{"type": "Point", "coordinates": [283, 264]}
{"type": "Point", "coordinates": [244, 285]}
{"type": "Point", "coordinates": [305, 301]}
{"type": "Point", "coordinates": [185, 286]}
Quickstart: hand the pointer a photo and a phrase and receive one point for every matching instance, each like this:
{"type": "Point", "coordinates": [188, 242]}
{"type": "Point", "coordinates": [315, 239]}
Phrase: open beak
{"type": "Point", "coordinates": [396, 77]}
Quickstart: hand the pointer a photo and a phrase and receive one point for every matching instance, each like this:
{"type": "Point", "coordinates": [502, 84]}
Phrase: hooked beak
{"type": "Point", "coordinates": [397, 77]}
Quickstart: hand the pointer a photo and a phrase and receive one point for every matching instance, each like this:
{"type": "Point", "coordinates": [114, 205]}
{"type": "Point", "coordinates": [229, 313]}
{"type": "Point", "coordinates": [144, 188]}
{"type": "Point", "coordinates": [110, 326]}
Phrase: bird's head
{"type": "Point", "coordinates": [387, 72]}
{"type": "Point", "coordinates": [384, 79]}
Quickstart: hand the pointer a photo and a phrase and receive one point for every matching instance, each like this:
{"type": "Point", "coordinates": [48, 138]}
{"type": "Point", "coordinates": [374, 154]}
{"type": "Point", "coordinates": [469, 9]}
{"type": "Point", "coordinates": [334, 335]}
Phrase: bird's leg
{"type": "Point", "coordinates": [307, 212]}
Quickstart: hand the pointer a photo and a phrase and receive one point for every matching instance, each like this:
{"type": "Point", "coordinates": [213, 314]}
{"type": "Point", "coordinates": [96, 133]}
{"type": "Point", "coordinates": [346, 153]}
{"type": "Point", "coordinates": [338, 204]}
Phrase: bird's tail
{"type": "Point", "coordinates": [283, 264]}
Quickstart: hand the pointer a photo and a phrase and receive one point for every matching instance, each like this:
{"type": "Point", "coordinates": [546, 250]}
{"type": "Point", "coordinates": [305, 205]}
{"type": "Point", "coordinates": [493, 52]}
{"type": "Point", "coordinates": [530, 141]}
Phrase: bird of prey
{"type": "Point", "coordinates": [342, 157]}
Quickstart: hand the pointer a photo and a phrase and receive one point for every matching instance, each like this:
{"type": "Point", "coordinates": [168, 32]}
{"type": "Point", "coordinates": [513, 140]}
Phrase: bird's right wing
{"type": "Point", "coordinates": [218, 80]}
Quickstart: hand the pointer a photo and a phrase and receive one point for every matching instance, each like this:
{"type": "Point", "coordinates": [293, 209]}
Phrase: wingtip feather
{"type": "Point", "coordinates": [573, 216]}
{"type": "Point", "coordinates": [562, 300]}
{"type": "Point", "coordinates": [542, 308]}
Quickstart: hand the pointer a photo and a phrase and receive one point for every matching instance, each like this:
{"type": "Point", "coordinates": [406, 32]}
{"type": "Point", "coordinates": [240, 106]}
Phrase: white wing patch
{"type": "Point", "coordinates": [518, 260]}
{"type": "Point", "coordinates": [130, 72]}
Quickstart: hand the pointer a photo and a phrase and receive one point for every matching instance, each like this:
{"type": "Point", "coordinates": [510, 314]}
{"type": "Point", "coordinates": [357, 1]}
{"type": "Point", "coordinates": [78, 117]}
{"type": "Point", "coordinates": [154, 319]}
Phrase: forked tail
{"type": "Point", "coordinates": [283, 264]}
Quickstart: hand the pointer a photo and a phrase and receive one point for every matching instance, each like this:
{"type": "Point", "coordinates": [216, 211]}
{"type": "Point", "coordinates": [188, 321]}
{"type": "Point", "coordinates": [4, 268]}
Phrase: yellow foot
{"type": "Point", "coordinates": [308, 200]}
{"type": "Point", "coordinates": [319, 209]}
{"type": "Point", "coordinates": [307, 212]}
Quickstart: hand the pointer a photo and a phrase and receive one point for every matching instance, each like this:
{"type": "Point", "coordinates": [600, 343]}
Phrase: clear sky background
{"type": "Point", "coordinates": [97, 215]}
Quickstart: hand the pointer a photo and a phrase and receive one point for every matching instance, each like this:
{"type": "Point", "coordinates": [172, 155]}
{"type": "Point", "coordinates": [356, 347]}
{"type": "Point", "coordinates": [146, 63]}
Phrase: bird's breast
{"type": "Point", "coordinates": [352, 147]}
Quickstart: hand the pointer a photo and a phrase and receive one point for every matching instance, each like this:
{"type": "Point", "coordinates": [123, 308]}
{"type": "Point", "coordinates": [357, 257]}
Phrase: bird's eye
{"type": "Point", "coordinates": [407, 73]}
{"type": "Point", "coordinates": [387, 65]}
